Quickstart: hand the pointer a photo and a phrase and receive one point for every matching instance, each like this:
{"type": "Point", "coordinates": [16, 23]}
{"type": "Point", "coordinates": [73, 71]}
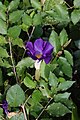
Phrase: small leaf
{"type": "Point", "coordinates": [68, 57]}
{"type": "Point", "coordinates": [53, 81]}
{"type": "Point", "coordinates": [1, 112]}
{"type": "Point", "coordinates": [36, 96]}
{"type": "Point", "coordinates": [37, 20]}
{"type": "Point", "coordinates": [76, 3]}
{"type": "Point", "coordinates": [36, 4]}
{"type": "Point", "coordinates": [15, 96]}
{"type": "Point", "coordinates": [2, 40]}
{"type": "Point", "coordinates": [57, 109]}
{"type": "Point", "coordinates": [3, 15]}
{"type": "Point", "coordinates": [75, 16]}
{"type": "Point", "coordinates": [65, 85]}
{"type": "Point", "coordinates": [18, 41]}
{"type": "Point", "coordinates": [3, 53]}
{"type": "Point", "coordinates": [3, 27]}
{"type": "Point", "coordinates": [54, 40]}
{"type": "Point", "coordinates": [29, 82]}
{"type": "Point", "coordinates": [63, 37]}
{"type": "Point", "coordinates": [14, 31]}
{"type": "Point", "coordinates": [44, 89]}
{"type": "Point", "coordinates": [61, 97]}
{"type": "Point", "coordinates": [15, 16]}
{"type": "Point", "coordinates": [65, 66]}
{"type": "Point", "coordinates": [13, 5]}
{"type": "Point", "coordinates": [27, 20]}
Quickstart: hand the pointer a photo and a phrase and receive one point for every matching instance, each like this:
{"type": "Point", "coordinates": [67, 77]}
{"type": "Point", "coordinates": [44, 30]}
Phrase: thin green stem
{"type": "Point", "coordinates": [11, 56]}
{"type": "Point", "coordinates": [44, 109]}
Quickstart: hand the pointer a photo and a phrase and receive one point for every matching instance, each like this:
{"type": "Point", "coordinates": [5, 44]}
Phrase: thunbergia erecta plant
{"type": "Point", "coordinates": [38, 51]}
{"type": "Point", "coordinates": [5, 106]}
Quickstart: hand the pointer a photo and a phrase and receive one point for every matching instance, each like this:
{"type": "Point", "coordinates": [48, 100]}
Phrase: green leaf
{"type": "Point", "coordinates": [54, 40]}
{"type": "Point", "coordinates": [3, 27]}
{"type": "Point", "coordinates": [25, 62]}
{"type": "Point", "coordinates": [2, 40]}
{"type": "Point", "coordinates": [75, 16]}
{"type": "Point", "coordinates": [29, 82]}
{"type": "Point", "coordinates": [19, 116]}
{"type": "Point", "coordinates": [27, 20]}
{"type": "Point", "coordinates": [2, 15]}
{"type": "Point", "coordinates": [18, 41]}
{"type": "Point", "coordinates": [57, 109]}
{"type": "Point", "coordinates": [65, 66]}
{"type": "Point", "coordinates": [14, 31]}
{"type": "Point", "coordinates": [15, 96]}
{"type": "Point", "coordinates": [77, 3]}
{"type": "Point", "coordinates": [13, 5]}
{"type": "Point", "coordinates": [65, 85]}
{"type": "Point", "coordinates": [63, 37]}
{"type": "Point", "coordinates": [4, 63]}
{"type": "Point", "coordinates": [1, 112]}
{"type": "Point", "coordinates": [37, 20]}
{"type": "Point", "coordinates": [53, 81]}
{"type": "Point", "coordinates": [69, 57]}
{"type": "Point", "coordinates": [15, 16]}
{"type": "Point", "coordinates": [44, 89]}
{"type": "Point", "coordinates": [3, 53]}
{"type": "Point", "coordinates": [2, 7]}
{"type": "Point", "coordinates": [36, 4]}
{"type": "Point", "coordinates": [36, 96]}
{"type": "Point", "coordinates": [61, 97]}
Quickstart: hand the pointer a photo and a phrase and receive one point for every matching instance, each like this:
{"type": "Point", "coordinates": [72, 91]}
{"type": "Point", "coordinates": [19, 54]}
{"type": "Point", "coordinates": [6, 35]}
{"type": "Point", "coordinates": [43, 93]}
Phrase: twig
{"type": "Point", "coordinates": [27, 100]}
{"type": "Point", "coordinates": [31, 33]}
{"type": "Point", "coordinates": [14, 68]}
{"type": "Point", "coordinates": [24, 112]}
{"type": "Point", "coordinates": [44, 109]}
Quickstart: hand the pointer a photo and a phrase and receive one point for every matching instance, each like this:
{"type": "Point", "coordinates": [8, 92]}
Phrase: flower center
{"type": "Point", "coordinates": [38, 54]}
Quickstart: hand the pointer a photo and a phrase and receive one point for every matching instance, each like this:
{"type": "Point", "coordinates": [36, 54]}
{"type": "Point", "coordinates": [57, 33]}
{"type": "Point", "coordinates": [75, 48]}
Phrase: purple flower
{"type": "Point", "coordinates": [5, 106]}
{"type": "Point", "coordinates": [40, 50]}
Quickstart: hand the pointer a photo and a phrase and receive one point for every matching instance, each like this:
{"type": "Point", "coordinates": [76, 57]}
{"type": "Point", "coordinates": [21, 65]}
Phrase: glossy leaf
{"type": "Point", "coordinates": [63, 37]}
{"type": "Point", "coordinates": [15, 16]}
{"type": "Point", "coordinates": [3, 27]}
{"type": "Point", "coordinates": [29, 82]}
{"type": "Point", "coordinates": [15, 96]}
{"type": "Point", "coordinates": [77, 43]}
{"type": "Point", "coordinates": [14, 31]}
{"type": "Point", "coordinates": [54, 40]}
{"type": "Point", "coordinates": [65, 85]}
{"type": "Point", "coordinates": [18, 41]}
{"type": "Point", "coordinates": [57, 109]}
{"type": "Point", "coordinates": [68, 57]}
{"type": "Point", "coordinates": [75, 16]}
{"type": "Point", "coordinates": [53, 81]}
{"type": "Point", "coordinates": [65, 66]}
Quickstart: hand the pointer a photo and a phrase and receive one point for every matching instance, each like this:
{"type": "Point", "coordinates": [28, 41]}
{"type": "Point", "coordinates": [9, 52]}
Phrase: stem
{"type": "Point", "coordinates": [44, 109]}
{"type": "Point", "coordinates": [31, 33]}
{"type": "Point", "coordinates": [14, 68]}
{"type": "Point", "coordinates": [24, 112]}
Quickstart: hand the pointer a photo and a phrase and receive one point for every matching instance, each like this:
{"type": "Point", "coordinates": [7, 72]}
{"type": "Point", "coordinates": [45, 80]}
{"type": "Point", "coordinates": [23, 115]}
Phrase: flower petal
{"type": "Point", "coordinates": [38, 45]}
{"type": "Point", "coordinates": [47, 59]}
{"type": "Point", "coordinates": [48, 49]}
{"type": "Point", "coordinates": [29, 46]}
